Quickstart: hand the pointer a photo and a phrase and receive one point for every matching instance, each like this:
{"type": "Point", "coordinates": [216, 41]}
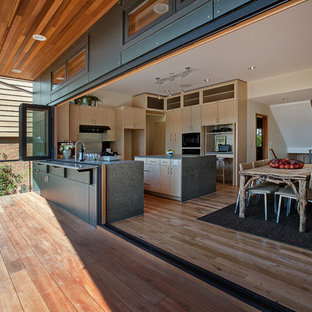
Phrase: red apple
{"type": "Point", "coordinates": [291, 167]}
{"type": "Point", "coordinates": [286, 166]}
{"type": "Point", "coordinates": [281, 166]}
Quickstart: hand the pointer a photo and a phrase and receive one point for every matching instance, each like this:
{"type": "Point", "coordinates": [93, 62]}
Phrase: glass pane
{"type": "Point", "coordinates": [59, 76]}
{"type": "Point", "coordinates": [145, 13]}
{"type": "Point", "coordinates": [77, 63]}
{"type": "Point", "coordinates": [37, 132]}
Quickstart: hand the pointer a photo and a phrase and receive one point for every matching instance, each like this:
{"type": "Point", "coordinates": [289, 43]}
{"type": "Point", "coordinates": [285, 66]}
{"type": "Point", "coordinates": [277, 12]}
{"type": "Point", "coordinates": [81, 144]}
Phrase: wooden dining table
{"type": "Point", "coordinates": [282, 177]}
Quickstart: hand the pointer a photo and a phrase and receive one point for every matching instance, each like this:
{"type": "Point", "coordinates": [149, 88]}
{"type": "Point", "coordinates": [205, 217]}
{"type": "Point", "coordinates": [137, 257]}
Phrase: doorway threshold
{"type": "Point", "coordinates": [241, 293]}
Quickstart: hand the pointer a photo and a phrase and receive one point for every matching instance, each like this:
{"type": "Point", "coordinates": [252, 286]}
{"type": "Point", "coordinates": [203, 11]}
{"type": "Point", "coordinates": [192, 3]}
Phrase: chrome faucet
{"type": "Point", "coordinates": [76, 149]}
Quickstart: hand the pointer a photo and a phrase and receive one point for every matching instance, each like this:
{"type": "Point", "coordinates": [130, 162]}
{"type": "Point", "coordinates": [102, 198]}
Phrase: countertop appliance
{"type": "Point", "coordinates": [191, 139]}
{"type": "Point", "coordinates": [224, 148]}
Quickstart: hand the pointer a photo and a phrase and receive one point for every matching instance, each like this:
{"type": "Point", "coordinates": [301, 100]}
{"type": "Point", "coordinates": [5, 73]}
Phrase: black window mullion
{"type": "Point", "coordinates": [48, 137]}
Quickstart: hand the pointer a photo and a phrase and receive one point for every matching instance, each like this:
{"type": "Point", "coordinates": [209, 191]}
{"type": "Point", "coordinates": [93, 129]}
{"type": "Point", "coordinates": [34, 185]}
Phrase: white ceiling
{"type": "Point", "coordinates": [276, 45]}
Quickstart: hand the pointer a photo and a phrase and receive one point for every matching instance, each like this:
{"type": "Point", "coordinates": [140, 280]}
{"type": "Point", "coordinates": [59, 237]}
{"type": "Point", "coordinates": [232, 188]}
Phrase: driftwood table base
{"type": "Point", "coordinates": [288, 177]}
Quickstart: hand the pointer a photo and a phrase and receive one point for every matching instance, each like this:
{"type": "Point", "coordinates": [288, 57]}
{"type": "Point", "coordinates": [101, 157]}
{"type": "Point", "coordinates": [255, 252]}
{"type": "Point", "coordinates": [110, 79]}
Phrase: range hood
{"type": "Point", "coordinates": [93, 129]}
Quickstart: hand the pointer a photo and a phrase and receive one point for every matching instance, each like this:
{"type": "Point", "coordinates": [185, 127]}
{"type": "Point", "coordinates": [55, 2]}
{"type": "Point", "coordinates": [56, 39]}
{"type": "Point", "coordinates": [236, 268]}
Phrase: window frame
{"type": "Point", "coordinates": [81, 72]}
{"type": "Point", "coordinates": [180, 5]}
{"type": "Point", "coordinates": [126, 12]}
{"type": "Point", "coordinates": [23, 131]}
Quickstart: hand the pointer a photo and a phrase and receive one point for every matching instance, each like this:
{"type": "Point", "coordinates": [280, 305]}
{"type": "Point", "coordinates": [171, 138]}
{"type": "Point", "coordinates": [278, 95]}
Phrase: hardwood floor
{"type": "Point", "coordinates": [52, 261]}
{"type": "Point", "coordinates": [277, 271]}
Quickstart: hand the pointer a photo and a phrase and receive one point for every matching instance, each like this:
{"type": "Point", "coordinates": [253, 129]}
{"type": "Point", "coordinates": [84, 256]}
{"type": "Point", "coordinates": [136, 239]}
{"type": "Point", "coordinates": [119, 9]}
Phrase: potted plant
{"type": "Point", "coordinates": [170, 152]}
{"type": "Point", "coordinates": [90, 100]}
{"type": "Point", "coordinates": [66, 149]}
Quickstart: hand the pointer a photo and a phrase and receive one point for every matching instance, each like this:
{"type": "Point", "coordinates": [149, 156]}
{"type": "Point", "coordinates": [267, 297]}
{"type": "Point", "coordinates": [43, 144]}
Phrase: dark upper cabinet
{"type": "Point", "coordinates": [221, 7]}
{"type": "Point", "coordinates": [106, 43]}
{"type": "Point", "coordinates": [173, 27]}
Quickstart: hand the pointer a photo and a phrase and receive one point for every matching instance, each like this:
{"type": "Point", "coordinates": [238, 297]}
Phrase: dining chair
{"type": "Point", "coordinates": [260, 188]}
{"type": "Point", "coordinates": [288, 193]}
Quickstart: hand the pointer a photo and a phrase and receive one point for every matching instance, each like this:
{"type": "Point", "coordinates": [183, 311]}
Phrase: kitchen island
{"type": "Point", "coordinates": [180, 177]}
{"type": "Point", "coordinates": [99, 192]}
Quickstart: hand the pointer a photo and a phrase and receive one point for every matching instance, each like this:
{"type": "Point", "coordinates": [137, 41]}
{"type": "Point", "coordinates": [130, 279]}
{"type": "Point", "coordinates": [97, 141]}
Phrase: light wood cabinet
{"type": "Point", "coordinates": [191, 119]}
{"type": "Point", "coordinates": [134, 118]}
{"type": "Point", "coordinates": [162, 175]}
{"type": "Point", "coordinates": [170, 177]}
{"type": "Point", "coordinates": [98, 116]}
{"type": "Point", "coordinates": [220, 112]}
{"type": "Point", "coordinates": [62, 123]}
{"type": "Point", "coordinates": [74, 122]}
{"type": "Point", "coordinates": [152, 175]}
{"type": "Point", "coordinates": [149, 101]}
{"type": "Point", "coordinates": [130, 132]}
{"type": "Point", "coordinates": [93, 115]}
{"type": "Point", "coordinates": [174, 130]}
{"type": "Point", "coordinates": [67, 122]}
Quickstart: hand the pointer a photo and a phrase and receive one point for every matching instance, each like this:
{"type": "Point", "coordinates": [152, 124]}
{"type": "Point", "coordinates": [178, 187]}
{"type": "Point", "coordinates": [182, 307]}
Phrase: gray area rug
{"type": "Point", "coordinates": [286, 231]}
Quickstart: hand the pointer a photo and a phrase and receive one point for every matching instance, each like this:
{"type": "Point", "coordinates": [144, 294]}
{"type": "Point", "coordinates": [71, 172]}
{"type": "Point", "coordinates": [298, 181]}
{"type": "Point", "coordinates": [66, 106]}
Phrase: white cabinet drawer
{"type": "Point", "coordinates": [165, 162]}
{"type": "Point", "coordinates": [140, 159]}
{"type": "Point", "coordinates": [153, 161]}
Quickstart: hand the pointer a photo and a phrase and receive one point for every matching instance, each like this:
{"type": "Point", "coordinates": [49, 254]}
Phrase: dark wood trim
{"type": "Point", "coordinates": [264, 135]}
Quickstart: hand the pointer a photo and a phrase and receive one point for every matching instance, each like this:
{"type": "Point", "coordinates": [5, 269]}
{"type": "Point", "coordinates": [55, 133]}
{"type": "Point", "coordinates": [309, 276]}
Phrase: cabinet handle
{"type": "Point", "coordinates": [37, 170]}
{"type": "Point", "coordinates": [168, 170]}
{"type": "Point", "coordinates": [171, 170]}
{"type": "Point", "coordinates": [147, 171]}
{"type": "Point", "coordinates": [175, 137]}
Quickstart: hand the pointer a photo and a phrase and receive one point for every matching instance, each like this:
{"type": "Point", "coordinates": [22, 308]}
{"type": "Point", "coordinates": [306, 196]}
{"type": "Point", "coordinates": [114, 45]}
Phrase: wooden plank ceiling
{"type": "Point", "coordinates": [61, 21]}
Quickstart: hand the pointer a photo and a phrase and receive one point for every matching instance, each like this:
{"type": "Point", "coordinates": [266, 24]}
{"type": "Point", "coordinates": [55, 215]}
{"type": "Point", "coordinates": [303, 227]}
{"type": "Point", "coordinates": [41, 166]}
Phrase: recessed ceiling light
{"type": "Point", "coordinates": [60, 78]}
{"type": "Point", "coordinates": [161, 8]}
{"type": "Point", "coordinates": [251, 67]}
{"type": "Point", "coordinates": [15, 70]}
{"type": "Point", "coordinates": [207, 79]}
{"type": "Point", "coordinates": [39, 37]}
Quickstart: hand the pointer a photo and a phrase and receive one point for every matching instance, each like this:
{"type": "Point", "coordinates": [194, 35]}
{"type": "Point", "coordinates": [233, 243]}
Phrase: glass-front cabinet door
{"type": "Point", "coordinates": [35, 132]}
{"type": "Point", "coordinates": [182, 3]}
{"type": "Point", "coordinates": [145, 14]}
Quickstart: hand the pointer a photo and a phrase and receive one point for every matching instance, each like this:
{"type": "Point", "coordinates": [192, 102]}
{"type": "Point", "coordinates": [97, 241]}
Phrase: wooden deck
{"type": "Point", "coordinates": [52, 261]}
{"type": "Point", "coordinates": [277, 271]}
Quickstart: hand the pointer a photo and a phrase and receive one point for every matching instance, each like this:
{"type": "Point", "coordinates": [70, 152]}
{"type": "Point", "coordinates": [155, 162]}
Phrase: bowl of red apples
{"type": "Point", "coordinates": [286, 163]}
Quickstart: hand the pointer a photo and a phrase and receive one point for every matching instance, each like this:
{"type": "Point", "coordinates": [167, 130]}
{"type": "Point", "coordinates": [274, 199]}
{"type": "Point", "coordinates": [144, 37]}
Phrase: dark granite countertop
{"type": "Point", "coordinates": [86, 164]}
{"type": "Point", "coordinates": [68, 164]}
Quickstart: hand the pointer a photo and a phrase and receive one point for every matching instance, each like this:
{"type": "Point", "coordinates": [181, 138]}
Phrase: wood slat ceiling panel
{"type": "Point", "coordinates": [61, 21]}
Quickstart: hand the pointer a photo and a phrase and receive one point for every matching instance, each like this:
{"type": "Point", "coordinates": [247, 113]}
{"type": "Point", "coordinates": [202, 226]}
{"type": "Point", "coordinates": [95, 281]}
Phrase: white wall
{"type": "Point", "coordinates": [275, 138]}
{"type": "Point", "coordinates": [295, 122]}
{"type": "Point", "coordinates": [113, 99]}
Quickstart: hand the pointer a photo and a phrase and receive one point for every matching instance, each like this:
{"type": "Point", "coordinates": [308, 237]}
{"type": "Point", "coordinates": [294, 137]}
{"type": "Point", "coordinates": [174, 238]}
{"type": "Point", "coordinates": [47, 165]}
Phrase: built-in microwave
{"type": "Point", "coordinates": [191, 139]}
